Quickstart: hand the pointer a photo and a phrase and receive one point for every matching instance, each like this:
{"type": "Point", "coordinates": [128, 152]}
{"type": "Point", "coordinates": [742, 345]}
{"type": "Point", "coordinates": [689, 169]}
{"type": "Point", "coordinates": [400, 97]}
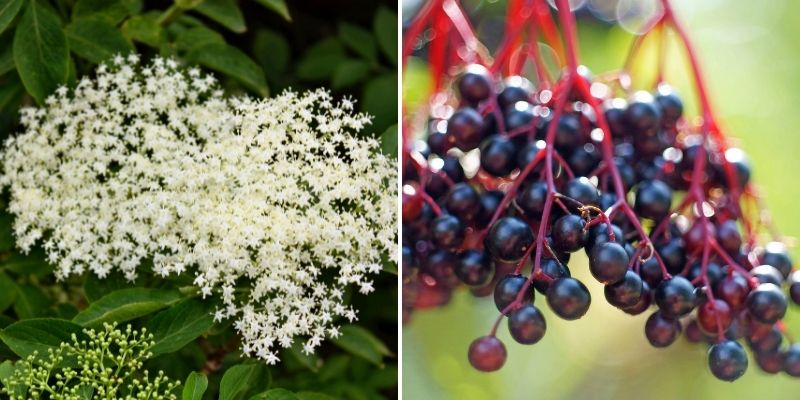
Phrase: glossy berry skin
{"type": "Point", "coordinates": [568, 133]}
{"type": "Point", "coordinates": [508, 239]}
{"type": "Point", "coordinates": [489, 202]}
{"type": "Point", "coordinates": [653, 199]}
{"type": "Point", "coordinates": [768, 343]}
{"type": "Point", "coordinates": [693, 333]}
{"type": "Point", "coordinates": [660, 330]}
{"type": "Point", "coordinates": [447, 231]}
{"type": "Point", "coordinates": [675, 297]}
{"type": "Point", "coordinates": [767, 274]}
{"type": "Point", "coordinates": [568, 234]}
{"type": "Point", "coordinates": [775, 254]}
{"type": "Point", "coordinates": [794, 287]}
{"type": "Point", "coordinates": [465, 126]}
{"type": "Point", "coordinates": [487, 354]}
{"type": "Point", "coordinates": [475, 84]}
{"type": "Point", "coordinates": [526, 324]}
{"type": "Point", "coordinates": [582, 190]}
{"type": "Point", "coordinates": [516, 89]}
{"type": "Point", "coordinates": [507, 289]}
{"type": "Point", "coordinates": [531, 199]}
{"type": "Point", "coordinates": [673, 253]}
{"type": "Point", "coordinates": [568, 298]}
{"type": "Point", "coordinates": [643, 115]}
{"type": "Point", "coordinates": [713, 317]}
{"type": "Point", "coordinates": [650, 272]}
{"type": "Point", "coordinates": [441, 264]}
{"type": "Point", "coordinates": [550, 270]}
{"type": "Point", "coordinates": [462, 201]}
{"type": "Point", "coordinates": [714, 272]}
{"type": "Point", "coordinates": [498, 155]}
{"type": "Point", "coordinates": [438, 143]}
{"type": "Point", "coordinates": [598, 234]}
{"type": "Point", "coordinates": [644, 302]}
{"type": "Point", "coordinates": [671, 106]}
{"type": "Point", "coordinates": [771, 363]}
{"type": "Point", "coordinates": [625, 293]}
{"type": "Point", "coordinates": [791, 362]}
{"type": "Point", "coordinates": [733, 289]}
{"type": "Point", "coordinates": [729, 237]}
{"type": "Point", "coordinates": [608, 262]}
{"type": "Point", "coordinates": [474, 268]}
{"type": "Point", "coordinates": [727, 360]}
{"type": "Point", "coordinates": [767, 303]}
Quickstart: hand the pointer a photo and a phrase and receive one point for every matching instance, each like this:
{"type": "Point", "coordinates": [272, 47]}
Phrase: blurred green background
{"type": "Point", "coordinates": [750, 53]}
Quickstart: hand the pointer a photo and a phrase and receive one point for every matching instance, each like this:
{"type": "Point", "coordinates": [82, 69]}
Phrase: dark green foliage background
{"type": "Point", "coordinates": [253, 46]}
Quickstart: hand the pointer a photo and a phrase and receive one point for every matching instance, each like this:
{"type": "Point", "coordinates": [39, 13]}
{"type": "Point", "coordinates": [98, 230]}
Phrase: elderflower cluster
{"type": "Point", "coordinates": [107, 364]}
{"type": "Point", "coordinates": [275, 205]}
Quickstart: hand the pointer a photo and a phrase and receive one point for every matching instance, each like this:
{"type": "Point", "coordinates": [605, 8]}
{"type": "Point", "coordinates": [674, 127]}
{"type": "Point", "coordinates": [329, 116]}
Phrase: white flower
{"type": "Point", "coordinates": [275, 205]}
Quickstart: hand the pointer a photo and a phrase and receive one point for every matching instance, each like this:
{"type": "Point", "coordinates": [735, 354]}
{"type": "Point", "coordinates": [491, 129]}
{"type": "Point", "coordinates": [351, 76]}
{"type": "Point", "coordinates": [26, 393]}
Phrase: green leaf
{"type": "Point", "coordinates": [359, 40]}
{"type": "Point", "coordinates": [125, 305]}
{"type": "Point", "coordinates": [320, 61]}
{"type": "Point", "coordinates": [226, 12]}
{"type": "Point", "coordinates": [31, 302]}
{"type": "Point", "coordinates": [310, 361]}
{"type": "Point", "coordinates": [39, 335]}
{"type": "Point", "coordinates": [334, 367]}
{"type": "Point", "coordinates": [178, 325]}
{"type": "Point", "coordinates": [349, 73]}
{"type": "Point", "coordinates": [278, 6]}
{"type": "Point", "coordinates": [95, 287]}
{"type": "Point", "coordinates": [144, 29]}
{"type": "Point", "coordinates": [33, 263]}
{"type": "Point", "coordinates": [8, 10]}
{"type": "Point", "coordinates": [241, 379]}
{"type": "Point", "coordinates": [6, 52]}
{"type": "Point", "coordinates": [314, 396]}
{"type": "Point", "coordinates": [112, 11]}
{"type": "Point", "coordinates": [96, 40]}
{"type": "Point", "coordinates": [195, 386]}
{"type": "Point", "coordinates": [389, 148]}
{"type": "Point", "coordinates": [275, 394]}
{"type": "Point", "coordinates": [385, 26]}
{"type": "Point", "coordinates": [7, 369]}
{"type": "Point", "coordinates": [360, 342]}
{"type": "Point", "coordinates": [272, 52]}
{"type": "Point", "coordinates": [232, 62]}
{"type": "Point", "coordinates": [8, 291]}
{"type": "Point", "coordinates": [197, 37]}
{"type": "Point", "coordinates": [380, 101]}
{"type": "Point", "coordinates": [10, 92]}
{"type": "Point", "coordinates": [40, 51]}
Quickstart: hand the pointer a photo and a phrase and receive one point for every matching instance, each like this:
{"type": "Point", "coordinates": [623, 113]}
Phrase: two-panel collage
{"type": "Point", "coordinates": [399, 199]}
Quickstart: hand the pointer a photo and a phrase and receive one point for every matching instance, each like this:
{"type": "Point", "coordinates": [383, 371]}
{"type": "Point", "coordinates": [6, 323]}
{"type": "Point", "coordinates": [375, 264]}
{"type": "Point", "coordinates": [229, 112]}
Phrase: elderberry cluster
{"type": "Point", "coordinates": [484, 205]}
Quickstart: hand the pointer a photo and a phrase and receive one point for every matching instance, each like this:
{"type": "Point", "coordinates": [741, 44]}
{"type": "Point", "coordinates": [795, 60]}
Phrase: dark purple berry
{"type": "Point", "coordinates": [767, 303]}
{"type": "Point", "coordinates": [568, 234]}
{"type": "Point", "coordinates": [642, 115]}
{"type": "Point", "coordinates": [550, 270]}
{"type": "Point", "coordinates": [498, 155]}
{"type": "Point", "coordinates": [447, 231]}
{"type": "Point", "coordinates": [583, 190]}
{"type": "Point", "coordinates": [568, 298]}
{"type": "Point", "coordinates": [608, 262]}
{"type": "Point", "coordinates": [531, 199]}
{"type": "Point", "coordinates": [475, 84]}
{"type": "Point", "coordinates": [729, 237]}
{"type": "Point", "coordinates": [516, 88]}
{"type": "Point", "coordinates": [675, 297]}
{"type": "Point", "coordinates": [653, 199]}
{"type": "Point", "coordinates": [727, 360]}
{"type": "Point", "coordinates": [466, 128]}
{"type": "Point", "coordinates": [526, 324]}
{"type": "Point", "coordinates": [775, 254]}
{"type": "Point", "coordinates": [462, 201]}
{"type": "Point", "coordinates": [487, 354]}
{"type": "Point", "coordinates": [791, 364]}
{"type": "Point", "coordinates": [661, 330]}
{"type": "Point", "coordinates": [671, 106]}
{"type": "Point", "coordinates": [625, 293]}
{"type": "Point", "coordinates": [507, 289]}
{"type": "Point", "coordinates": [509, 238]}
{"type": "Point", "coordinates": [475, 268]}
{"type": "Point", "coordinates": [767, 274]}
